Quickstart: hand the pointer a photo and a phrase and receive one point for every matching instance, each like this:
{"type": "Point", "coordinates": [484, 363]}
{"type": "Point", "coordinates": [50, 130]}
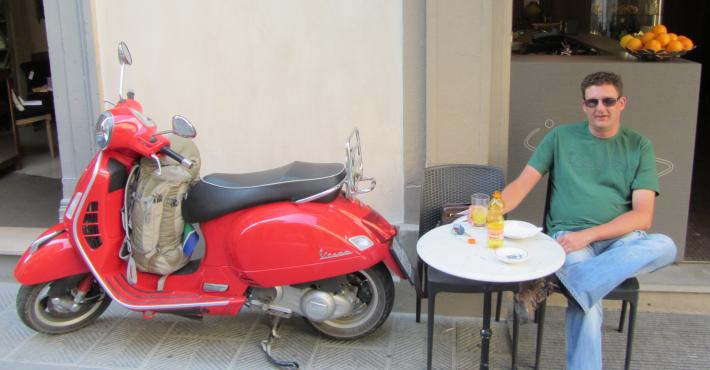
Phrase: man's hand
{"type": "Point", "coordinates": [574, 241]}
{"type": "Point", "coordinates": [639, 217]}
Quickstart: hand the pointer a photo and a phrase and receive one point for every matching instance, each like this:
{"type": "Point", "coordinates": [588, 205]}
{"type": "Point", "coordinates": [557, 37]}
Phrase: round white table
{"type": "Point", "coordinates": [452, 254]}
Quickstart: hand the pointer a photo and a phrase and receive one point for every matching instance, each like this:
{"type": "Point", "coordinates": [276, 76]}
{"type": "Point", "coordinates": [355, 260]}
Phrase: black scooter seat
{"type": "Point", "coordinates": [221, 193]}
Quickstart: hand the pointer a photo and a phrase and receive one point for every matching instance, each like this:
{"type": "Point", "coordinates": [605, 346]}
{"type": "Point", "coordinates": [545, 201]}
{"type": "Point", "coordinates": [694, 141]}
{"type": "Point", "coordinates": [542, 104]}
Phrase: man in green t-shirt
{"type": "Point", "coordinates": [603, 188]}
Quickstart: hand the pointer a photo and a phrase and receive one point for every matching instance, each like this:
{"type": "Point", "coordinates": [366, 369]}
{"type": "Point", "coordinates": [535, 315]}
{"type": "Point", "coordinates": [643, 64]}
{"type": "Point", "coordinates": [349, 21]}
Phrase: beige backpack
{"type": "Point", "coordinates": [152, 212]}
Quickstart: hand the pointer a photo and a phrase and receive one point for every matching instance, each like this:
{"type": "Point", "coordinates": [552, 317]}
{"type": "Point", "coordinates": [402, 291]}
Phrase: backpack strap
{"type": "Point", "coordinates": [126, 251]}
{"type": "Point", "coordinates": [161, 282]}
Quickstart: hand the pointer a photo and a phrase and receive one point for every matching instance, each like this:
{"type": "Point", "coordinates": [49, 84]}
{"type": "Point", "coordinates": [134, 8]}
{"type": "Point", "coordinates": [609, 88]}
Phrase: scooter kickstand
{"type": "Point", "coordinates": [266, 346]}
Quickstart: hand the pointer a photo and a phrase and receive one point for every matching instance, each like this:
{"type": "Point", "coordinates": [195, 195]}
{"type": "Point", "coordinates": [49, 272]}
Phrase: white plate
{"type": "Point", "coordinates": [511, 255]}
{"type": "Point", "coordinates": [520, 229]}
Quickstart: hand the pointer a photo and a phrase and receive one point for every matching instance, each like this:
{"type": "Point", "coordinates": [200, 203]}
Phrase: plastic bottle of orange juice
{"type": "Point", "coordinates": [495, 222]}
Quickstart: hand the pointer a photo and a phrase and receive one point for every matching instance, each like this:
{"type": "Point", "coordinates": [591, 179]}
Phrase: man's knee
{"type": "Point", "coordinates": [663, 246]}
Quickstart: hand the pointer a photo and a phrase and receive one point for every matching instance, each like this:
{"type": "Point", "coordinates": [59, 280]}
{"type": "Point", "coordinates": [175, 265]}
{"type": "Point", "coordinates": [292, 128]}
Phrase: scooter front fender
{"type": "Point", "coordinates": [55, 259]}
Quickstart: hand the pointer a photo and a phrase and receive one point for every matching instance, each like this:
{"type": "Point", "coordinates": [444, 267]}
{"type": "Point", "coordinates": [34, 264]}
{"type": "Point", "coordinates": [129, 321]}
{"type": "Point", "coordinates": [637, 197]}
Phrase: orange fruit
{"type": "Point", "coordinates": [634, 44]}
{"type": "Point", "coordinates": [653, 45]}
{"type": "Point", "coordinates": [673, 36]}
{"type": "Point", "coordinates": [625, 40]}
{"type": "Point", "coordinates": [687, 43]}
{"type": "Point", "coordinates": [663, 38]}
{"type": "Point", "coordinates": [659, 28]}
{"type": "Point", "coordinates": [648, 36]}
{"type": "Point", "coordinates": [674, 46]}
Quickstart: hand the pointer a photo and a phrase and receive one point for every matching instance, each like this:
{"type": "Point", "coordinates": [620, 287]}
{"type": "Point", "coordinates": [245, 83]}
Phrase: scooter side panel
{"type": "Point", "coordinates": [54, 260]}
{"type": "Point", "coordinates": [287, 243]}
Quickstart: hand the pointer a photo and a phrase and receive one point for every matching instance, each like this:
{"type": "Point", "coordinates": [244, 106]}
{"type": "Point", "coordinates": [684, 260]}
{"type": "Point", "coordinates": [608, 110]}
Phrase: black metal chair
{"type": "Point", "coordinates": [627, 292]}
{"type": "Point", "coordinates": [444, 185]}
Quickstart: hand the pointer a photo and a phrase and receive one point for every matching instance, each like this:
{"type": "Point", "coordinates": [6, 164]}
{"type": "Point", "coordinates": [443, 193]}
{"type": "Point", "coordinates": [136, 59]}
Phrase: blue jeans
{"type": "Point", "coordinates": [591, 273]}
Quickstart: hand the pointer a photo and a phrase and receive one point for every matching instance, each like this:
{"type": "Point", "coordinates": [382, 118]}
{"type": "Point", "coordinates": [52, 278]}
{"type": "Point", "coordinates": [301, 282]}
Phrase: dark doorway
{"type": "Point", "coordinates": [691, 18]}
{"type": "Point", "coordinates": [30, 173]}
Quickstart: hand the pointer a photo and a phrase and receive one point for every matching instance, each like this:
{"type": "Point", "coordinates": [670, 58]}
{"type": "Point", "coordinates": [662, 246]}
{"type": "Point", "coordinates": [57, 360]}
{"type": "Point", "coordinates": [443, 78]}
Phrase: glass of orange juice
{"type": "Point", "coordinates": [478, 210]}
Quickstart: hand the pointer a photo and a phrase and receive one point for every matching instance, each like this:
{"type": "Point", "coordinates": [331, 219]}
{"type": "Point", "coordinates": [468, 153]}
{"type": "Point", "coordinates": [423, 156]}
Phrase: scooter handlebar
{"type": "Point", "coordinates": [176, 156]}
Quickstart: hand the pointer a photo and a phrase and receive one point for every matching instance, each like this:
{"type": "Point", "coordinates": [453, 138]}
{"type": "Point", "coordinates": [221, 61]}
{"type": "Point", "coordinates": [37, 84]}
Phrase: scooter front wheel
{"type": "Point", "coordinates": [51, 307]}
{"type": "Point", "coordinates": [375, 292]}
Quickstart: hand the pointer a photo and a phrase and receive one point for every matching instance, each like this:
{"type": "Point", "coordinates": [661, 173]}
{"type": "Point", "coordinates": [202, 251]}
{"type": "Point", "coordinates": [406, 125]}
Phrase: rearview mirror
{"type": "Point", "coordinates": [183, 127]}
{"type": "Point", "coordinates": [124, 55]}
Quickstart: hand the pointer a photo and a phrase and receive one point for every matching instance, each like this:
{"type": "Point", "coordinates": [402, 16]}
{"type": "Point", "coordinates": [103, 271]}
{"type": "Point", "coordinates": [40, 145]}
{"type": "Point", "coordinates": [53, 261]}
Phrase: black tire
{"type": "Point", "coordinates": [376, 293]}
{"type": "Point", "coordinates": [37, 311]}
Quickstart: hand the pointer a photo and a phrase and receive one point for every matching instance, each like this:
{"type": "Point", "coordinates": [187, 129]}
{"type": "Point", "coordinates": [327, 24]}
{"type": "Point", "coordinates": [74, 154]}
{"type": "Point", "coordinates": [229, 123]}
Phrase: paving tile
{"type": "Point", "coordinates": [297, 343]}
{"type": "Point", "coordinates": [5, 365]}
{"type": "Point", "coordinates": [350, 358]}
{"type": "Point", "coordinates": [129, 343]}
{"type": "Point", "coordinates": [661, 341]}
{"type": "Point", "coordinates": [121, 339]}
{"type": "Point", "coordinates": [192, 353]}
{"type": "Point", "coordinates": [56, 349]}
{"type": "Point", "coordinates": [8, 293]}
{"type": "Point", "coordinates": [13, 332]}
{"type": "Point", "coordinates": [214, 326]}
{"type": "Point", "coordinates": [409, 347]}
{"type": "Point", "coordinates": [378, 339]}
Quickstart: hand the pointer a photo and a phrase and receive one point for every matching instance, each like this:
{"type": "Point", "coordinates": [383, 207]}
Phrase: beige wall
{"type": "Point", "coordinates": [468, 81]}
{"type": "Point", "coordinates": [268, 82]}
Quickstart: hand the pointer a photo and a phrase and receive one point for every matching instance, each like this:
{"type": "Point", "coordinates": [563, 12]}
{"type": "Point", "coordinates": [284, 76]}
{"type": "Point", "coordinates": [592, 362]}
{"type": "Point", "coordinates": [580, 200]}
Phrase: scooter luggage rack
{"type": "Point", "coordinates": [354, 166]}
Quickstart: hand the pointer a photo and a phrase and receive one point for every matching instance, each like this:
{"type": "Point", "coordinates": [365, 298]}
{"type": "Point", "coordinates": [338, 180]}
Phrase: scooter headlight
{"type": "Point", "coordinates": [103, 129]}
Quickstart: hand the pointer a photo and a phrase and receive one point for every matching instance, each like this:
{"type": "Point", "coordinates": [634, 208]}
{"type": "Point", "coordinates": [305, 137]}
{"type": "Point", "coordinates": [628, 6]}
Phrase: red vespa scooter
{"type": "Point", "coordinates": [287, 241]}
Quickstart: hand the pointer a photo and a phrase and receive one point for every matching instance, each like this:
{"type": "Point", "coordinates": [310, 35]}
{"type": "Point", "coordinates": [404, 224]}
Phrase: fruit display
{"type": "Point", "coordinates": [657, 44]}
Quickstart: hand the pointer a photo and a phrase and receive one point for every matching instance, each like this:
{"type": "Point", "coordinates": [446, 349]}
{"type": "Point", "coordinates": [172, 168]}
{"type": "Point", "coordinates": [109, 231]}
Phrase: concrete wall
{"type": "Point", "coordinates": [268, 82]}
{"type": "Point", "coordinates": [414, 106]}
{"type": "Point", "coordinates": [468, 79]}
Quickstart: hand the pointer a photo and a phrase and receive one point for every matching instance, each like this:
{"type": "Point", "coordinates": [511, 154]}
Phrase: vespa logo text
{"type": "Point", "coordinates": [324, 255]}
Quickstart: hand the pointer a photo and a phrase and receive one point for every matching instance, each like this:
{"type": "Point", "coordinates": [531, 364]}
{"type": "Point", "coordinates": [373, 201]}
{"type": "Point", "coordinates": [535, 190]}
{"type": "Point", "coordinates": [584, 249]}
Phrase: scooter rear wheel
{"type": "Point", "coordinates": [376, 295]}
{"type": "Point", "coordinates": [37, 310]}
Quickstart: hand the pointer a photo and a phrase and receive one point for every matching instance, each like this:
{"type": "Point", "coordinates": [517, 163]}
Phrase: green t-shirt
{"type": "Point", "coordinates": [593, 178]}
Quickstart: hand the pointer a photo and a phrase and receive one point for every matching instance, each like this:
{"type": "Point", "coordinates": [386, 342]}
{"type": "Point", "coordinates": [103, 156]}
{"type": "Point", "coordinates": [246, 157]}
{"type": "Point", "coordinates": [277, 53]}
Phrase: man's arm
{"type": "Point", "coordinates": [640, 217]}
{"type": "Point", "coordinates": [517, 190]}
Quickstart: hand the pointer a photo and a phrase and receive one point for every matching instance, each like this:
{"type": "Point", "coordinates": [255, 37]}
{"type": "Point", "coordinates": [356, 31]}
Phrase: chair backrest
{"type": "Point", "coordinates": [454, 184]}
{"type": "Point", "coordinates": [11, 97]}
{"type": "Point", "coordinates": [548, 199]}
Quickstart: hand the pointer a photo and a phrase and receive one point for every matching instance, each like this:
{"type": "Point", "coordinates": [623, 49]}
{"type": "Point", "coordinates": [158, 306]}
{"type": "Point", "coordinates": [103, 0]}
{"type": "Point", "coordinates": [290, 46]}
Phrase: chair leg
{"type": "Point", "coordinates": [430, 329]}
{"type": "Point", "coordinates": [418, 286]}
{"type": "Point", "coordinates": [622, 317]}
{"type": "Point", "coordinates": [50, 137]}
{"type": "Point", "coordinates": [630, 337]}
{"type": "Point", "coordinates": [540, 314]}
{"type": "Point", "coordinates": [499, 301]}
{"type": "Point", "coordinates": [516, 331]}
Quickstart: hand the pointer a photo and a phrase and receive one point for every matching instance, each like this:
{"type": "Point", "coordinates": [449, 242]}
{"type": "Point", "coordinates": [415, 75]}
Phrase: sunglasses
{"type": "Point", "coordinates": [608, 102]}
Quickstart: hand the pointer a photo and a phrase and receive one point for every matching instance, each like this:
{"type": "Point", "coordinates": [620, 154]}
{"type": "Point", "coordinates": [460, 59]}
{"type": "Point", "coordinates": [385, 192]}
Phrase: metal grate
{"type": "Point", "coordinates": [454, 184]}
{"type": "Point", "coordinates": [90, 226]}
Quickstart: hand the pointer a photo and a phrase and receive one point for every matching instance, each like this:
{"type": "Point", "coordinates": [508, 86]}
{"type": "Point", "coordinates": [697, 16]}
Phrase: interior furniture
{"type": "Point", "coordinates": [30, 115]}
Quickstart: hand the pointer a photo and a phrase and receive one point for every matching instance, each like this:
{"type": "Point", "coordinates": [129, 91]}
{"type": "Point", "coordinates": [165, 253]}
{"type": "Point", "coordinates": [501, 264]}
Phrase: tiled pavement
{"type": "Point", "coordinates": [121, 339]}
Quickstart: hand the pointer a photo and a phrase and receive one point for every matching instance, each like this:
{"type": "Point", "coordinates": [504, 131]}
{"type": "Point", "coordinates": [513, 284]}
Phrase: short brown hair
{"type": "Point", "coordinates": [603, 78]}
